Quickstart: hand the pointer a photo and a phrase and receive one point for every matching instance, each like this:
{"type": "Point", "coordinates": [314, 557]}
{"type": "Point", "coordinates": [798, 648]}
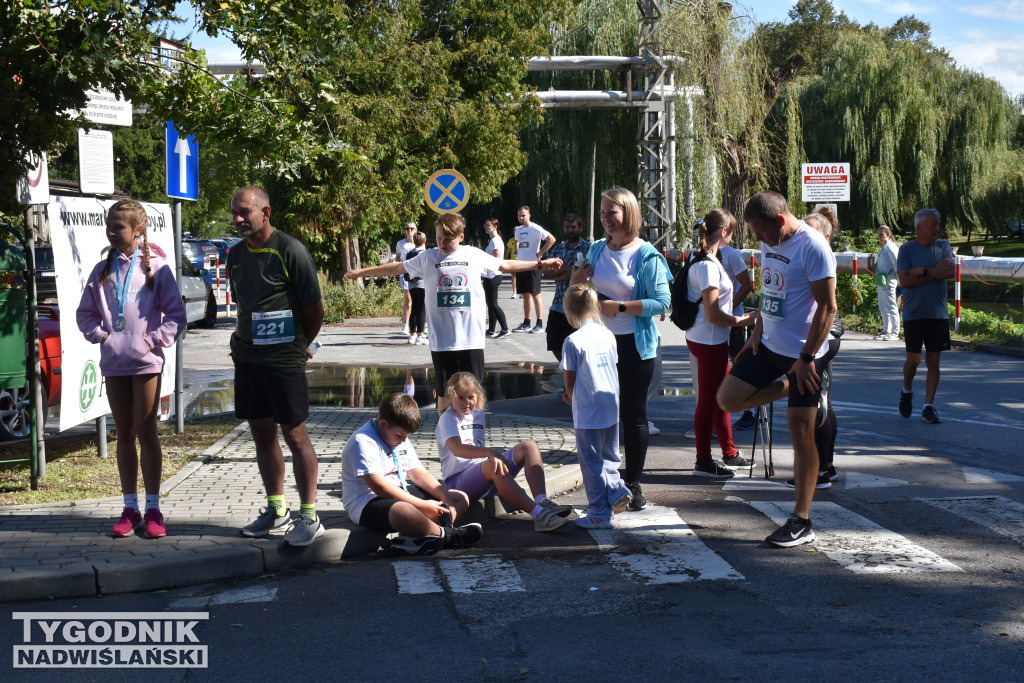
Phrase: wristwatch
{"type": "Point", "coordinates": [622, 307]}
{"type": "Point", "coordinates": [806, 357]}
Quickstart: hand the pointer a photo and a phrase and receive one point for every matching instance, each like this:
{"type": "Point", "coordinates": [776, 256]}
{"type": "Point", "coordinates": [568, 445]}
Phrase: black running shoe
{"type": "Point", "coordinates": [930, 416]}
{"type": "Point", "coordinates": [639, 502]}
{"type": "Point", "coordinates": [795, 531]}
{"type": "Point", "coordinates": [463, 536]}
{"type": "Point", "coordinates": [824, 481]}
{"type": "Point", "coordinates": [826, 379]}
{"type": "Point", "coordinates": [833, 474]}
{"type": "Point", "coordinates": [906, 404]}
{"type": "Point", "coordinates": [746, 422]}
{"type": "Point", "coordinates": [424, 545]}
{"type": "Point", "coordinates": [736, 461]}
{"type": "Point", "coordinates": [715, 469]}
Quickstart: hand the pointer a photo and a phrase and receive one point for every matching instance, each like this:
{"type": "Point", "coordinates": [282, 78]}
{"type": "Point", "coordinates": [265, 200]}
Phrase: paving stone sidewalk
{"type": "Point", "coordinates": [65, 549]}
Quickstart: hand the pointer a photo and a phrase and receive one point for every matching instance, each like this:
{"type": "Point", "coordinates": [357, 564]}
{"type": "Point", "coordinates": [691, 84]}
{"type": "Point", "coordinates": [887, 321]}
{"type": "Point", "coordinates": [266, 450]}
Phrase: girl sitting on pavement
{"type": "Point", "coordinates": [469, 466]}
{"type": "Point", "coordinates": [133, 313]}
{"type": "Point", "coordinates": [589, 358]}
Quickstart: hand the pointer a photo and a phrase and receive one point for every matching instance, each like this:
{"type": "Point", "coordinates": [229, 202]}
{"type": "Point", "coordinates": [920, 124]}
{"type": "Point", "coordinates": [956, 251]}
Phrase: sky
{"type": "Point", "coordinates": [982, 35]}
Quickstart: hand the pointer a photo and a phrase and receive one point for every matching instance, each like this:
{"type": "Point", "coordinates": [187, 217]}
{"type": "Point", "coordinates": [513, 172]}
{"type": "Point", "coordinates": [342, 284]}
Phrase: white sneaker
{"type": "Point", "coordinates": [421, 340]}
{"type": "Point", "coordinates": [652, 430]}
{"type": "Point", "coordinates": [693, 435]}
{"type": "Point", "coordinates": [412, 338]}
{"type": "Point", "coordinates": [405, 329]}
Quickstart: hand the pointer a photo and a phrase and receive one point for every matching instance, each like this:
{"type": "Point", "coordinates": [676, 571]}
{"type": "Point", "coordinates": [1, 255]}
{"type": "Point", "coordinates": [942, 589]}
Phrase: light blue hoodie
{"type": "Point", "coordinates": [651, 288]}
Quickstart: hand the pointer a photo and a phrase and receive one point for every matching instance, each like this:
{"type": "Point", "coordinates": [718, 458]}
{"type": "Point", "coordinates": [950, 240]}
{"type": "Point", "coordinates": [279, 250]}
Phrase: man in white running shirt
{"type": "Point", "coordinates": [533, 242]}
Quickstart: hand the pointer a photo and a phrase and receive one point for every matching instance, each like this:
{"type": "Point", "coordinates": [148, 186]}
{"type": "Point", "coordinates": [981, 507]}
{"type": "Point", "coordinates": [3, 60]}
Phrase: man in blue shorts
{"type": "Point", "coordinates": [923, 266]}
{"type": "Point", "coordinates": [783, 356]}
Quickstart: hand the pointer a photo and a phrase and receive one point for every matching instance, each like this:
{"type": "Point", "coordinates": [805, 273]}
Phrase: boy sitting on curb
{"type": "Point", "coordinates": [376, 461]}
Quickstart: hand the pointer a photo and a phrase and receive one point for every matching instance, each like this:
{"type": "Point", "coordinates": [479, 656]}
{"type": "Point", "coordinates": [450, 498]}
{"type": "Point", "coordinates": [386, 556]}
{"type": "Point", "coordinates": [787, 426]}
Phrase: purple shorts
{"type": "Point", "coordinates": [472, 482]}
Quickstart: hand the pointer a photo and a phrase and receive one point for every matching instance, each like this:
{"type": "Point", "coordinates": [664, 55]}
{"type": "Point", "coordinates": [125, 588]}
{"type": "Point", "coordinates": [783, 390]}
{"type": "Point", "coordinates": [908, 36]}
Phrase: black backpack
{"type": "Point", "coordinates": [684, 311]}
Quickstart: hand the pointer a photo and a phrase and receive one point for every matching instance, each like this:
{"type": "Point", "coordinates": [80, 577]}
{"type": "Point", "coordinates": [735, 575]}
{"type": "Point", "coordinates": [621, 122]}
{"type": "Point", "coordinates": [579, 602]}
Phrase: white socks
{"type": "Point", "coordinates": [152, 501]}
{"type": "Point", "coordinates": [131, 500]}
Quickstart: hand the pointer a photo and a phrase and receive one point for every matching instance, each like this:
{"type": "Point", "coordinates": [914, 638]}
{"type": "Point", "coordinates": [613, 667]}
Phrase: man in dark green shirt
{"type": "Point", "coordinates": [274, 283]}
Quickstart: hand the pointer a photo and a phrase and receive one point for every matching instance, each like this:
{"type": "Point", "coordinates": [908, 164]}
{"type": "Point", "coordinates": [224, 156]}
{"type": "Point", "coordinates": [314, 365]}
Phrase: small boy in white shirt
{"type": "Point", "coordinates": [376, 461]}
{"type": "Point", "coordinates": [589, 358]}
{"type": "Point", "coordinates": [469, 466]}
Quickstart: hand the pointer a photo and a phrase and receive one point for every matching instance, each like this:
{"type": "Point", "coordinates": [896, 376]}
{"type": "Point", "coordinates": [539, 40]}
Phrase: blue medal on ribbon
{"type": "Point", "coordinates": [122, 292]}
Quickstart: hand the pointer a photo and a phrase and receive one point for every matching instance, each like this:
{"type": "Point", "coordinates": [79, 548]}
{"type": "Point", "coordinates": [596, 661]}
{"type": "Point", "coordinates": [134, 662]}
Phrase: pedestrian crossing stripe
{"type": "Point", "coordinates": [973, 475]}
{"type": "Point", "coordinates": [1001, 515]}
{"type": "Point", "coordinates": [673, 553]}
{"type": "Point", "coordinates": [858, 544]}
{"type": "Point", "coordinates": [475, 574]}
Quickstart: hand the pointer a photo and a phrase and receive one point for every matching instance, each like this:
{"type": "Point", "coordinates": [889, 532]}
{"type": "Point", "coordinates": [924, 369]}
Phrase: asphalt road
{"type": "Point", "coordinates": [917, 574]}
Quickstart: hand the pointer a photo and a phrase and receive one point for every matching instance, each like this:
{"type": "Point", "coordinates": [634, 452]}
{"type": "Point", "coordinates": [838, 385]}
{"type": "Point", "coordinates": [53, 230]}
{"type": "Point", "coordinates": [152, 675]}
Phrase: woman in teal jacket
{"type": "Point", "coordinates": [631, 279]}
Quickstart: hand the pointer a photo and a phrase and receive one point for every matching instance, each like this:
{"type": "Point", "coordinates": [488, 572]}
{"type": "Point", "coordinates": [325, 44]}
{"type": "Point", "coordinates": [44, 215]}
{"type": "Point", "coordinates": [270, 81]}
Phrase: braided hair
{"type": "Point", "coordinates": [136, 215]}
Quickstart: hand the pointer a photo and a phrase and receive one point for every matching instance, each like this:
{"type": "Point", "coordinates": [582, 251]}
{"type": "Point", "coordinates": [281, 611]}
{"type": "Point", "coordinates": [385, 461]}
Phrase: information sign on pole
{"type": "Point", "coordinates": [826, 183]}
{"type": "Point", "coordinates": [96, 161]}
{"type": "Point", "coordinates": [182, 155]}
{"type": "Point", "coordinates": [446, 191]}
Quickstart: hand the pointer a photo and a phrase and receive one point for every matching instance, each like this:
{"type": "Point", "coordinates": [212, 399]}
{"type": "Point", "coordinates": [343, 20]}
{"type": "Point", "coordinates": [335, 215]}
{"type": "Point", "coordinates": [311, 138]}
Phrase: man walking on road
{"type": "Point", "coordinates": [558, 326]}
{"type": "Point", "coordinates": [923, 266]}
{"type": "Point", "coordinates": [798, 304]}
{"type": "Point", "coordinates": [532, 241]}
{"type": "Point", "coordinates": [274, 282]}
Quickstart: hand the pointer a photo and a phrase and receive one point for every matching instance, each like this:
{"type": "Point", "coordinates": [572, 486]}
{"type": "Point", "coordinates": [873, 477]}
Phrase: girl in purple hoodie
{"type": "Point", "coordinates": [132, 307]}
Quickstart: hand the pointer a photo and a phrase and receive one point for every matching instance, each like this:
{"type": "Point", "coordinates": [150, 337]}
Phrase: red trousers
{"type": "Point", "coordinates": [712, 367]}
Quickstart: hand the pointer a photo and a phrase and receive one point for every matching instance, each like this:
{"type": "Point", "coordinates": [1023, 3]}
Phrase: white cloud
{"type": "Point", "coordinates": [1002, 60]}
{"type": "Point", "coordinates": [1012, 10]}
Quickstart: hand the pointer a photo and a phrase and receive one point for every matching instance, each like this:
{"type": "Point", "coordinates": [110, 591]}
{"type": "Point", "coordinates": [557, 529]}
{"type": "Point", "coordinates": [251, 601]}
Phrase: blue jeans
{"type": "Point", "coordinates": [598, 451]}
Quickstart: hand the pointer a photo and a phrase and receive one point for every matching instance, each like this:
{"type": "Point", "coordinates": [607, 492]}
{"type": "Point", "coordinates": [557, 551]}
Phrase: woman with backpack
{"type": "Point", "coordinates": [708, 284]}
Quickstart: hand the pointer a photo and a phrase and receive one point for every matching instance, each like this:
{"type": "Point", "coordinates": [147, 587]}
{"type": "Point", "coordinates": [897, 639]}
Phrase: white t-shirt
{"type": "Point", "coordinates": [402, 246]}
{"type": "Point", "coordinates": [470, 429]}
{"type": "Point", "coordinates": [364, 454]}
{"type": "Point", "coordinates": [496, 245]}
{"type": "Point", "coordinates": [732, 261]}
{"type": "Point", "coordinates": [704, 274]}
{"type": "Point", "coordinates": [529, 239]}
{"type": "Point", "coordinates": [787, 303]}
{"type": "Point", "coordinates": [456, 310]}
{"type": "Point", "coordinates": [590, 352]}
{"type": "Point", "coordinates": [615, 278]}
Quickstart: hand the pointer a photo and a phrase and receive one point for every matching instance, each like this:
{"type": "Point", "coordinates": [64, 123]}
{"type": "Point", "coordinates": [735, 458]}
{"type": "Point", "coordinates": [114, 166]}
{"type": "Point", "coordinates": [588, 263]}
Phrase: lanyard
{"type": "Point", "coordinates": [394, 457]}
{"type": "Point", "coordinates": [122, 292]}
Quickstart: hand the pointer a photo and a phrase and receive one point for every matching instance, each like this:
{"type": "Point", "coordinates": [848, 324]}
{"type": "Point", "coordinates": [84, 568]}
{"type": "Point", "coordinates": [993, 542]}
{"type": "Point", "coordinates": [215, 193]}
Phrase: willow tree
{"type": "Point", "coordinates": [916, 129]}
{"type": "Point", "coordinates": [740, 87]}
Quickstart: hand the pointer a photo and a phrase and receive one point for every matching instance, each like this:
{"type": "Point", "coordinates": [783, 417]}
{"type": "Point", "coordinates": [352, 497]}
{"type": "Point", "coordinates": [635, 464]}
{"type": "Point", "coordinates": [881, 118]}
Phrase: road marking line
{"type": "Point", "coordinates": [481, 575]}
{"type": "Point", "coordinates": [755, 484]}
{"type": "Point", "coordinates": [860, 480]}
{"type": "Point", "coordinates": [860, 545]}
{"type": "Point", "coordinates": [974, 475]}
{"type": "Point", "coordinates": [229, 597]}
{"type": "Point", "coordinates": [671, 553]}
{"type": "Point", "coordinates": [416, 577]}
{"type": "Point", "coordinates": [999, 514]}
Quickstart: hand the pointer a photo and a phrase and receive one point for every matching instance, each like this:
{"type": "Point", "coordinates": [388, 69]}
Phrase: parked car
{"type": "Point", "coordinates": [222, 248]}
{"type": "Point", "coordinates": [14, 406]}
{"type": "Point", "coordinates": [200, 308]}
{"type": "Point", "coordinates": [46, 275]}
{"type": "Point", "coordinates": [193, 253]}
{"type": "Point", "coordinates": [208, 247]}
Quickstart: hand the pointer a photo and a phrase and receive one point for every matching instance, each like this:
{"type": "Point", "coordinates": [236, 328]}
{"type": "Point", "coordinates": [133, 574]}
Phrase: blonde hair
{"type": "Point", "coordinates": [465, 380]}
{"type": "Point", "coordinates": [450, 225]}
{"type": "Point", "coordinates": [135, 213]}
{"type": "Point", "coordinates": [631, 218]}
{"type": "Point", "coordinates": [419, 239]}
{"type": "Point", "coordinates": [580, 305]}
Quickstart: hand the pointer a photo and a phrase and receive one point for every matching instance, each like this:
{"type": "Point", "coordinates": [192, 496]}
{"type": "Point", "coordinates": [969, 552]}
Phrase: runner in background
{"type": "Point", "coordinates": [532, 241]}
{"type": "Point", "coordinates": [495, 316]}
{"type": "Point", "coordinates": [572, 248]}
{"type": "Point", "coordinates": [404, 246]}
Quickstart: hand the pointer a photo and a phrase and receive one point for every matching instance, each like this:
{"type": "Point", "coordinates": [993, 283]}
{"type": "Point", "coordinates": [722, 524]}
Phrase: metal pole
{"type": "Point", "coordinates": [35, 387]}
{"type": "Point", "coordinates": [179, 348]}
{"type": "Point", "coordinates": [101, 436]}
{"type": "Point", "coordinates": [956, 293]}
{"type": "Point", "coordinates": [855, 255]}
{"type": "Point", "coordinates": [593, 191]}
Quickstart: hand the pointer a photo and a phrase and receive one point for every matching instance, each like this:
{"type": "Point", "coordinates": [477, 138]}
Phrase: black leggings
{"type": "Point", "coordinates": [494, 312]}
{"type": "Point", "coordinates": [825, 435]}
{"type": "Point", "coordinates": [417, 311]}
{"type": "Point", "coordinates": [634, 379]}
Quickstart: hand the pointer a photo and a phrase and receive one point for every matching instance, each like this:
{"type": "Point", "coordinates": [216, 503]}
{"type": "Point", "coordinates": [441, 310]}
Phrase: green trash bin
{"type": "Point", "coordinates": [12, 318]}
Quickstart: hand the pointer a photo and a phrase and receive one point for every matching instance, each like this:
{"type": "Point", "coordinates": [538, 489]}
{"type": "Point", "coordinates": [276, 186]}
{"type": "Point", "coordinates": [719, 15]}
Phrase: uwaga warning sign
{"type": "Point", "coordinates": [825, 182]}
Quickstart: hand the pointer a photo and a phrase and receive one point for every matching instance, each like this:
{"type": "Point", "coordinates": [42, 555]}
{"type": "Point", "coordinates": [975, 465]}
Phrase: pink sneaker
{"type": "Point", "coordinates": [155, 524]}
{"type": "Point", "coordinates": [125, 526]}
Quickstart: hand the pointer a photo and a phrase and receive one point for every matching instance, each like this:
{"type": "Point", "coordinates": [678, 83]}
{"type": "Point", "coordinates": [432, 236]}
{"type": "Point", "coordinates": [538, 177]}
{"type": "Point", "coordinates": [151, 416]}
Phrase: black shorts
{"type": "Point", "coordinates": [932, 333]}
{"type": "Point", "coordinates": [528, 282]}
{"type": "Point", "coordinates": [447, 363]}
{"type": "Point", "coordinates": [767, 366]}
{"type": "Point", "coordinates": [263, 391]}
{"type": "Point", "coordinates": [557, 329]}
{"type": "Point", "coordinates": [375, 513]}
